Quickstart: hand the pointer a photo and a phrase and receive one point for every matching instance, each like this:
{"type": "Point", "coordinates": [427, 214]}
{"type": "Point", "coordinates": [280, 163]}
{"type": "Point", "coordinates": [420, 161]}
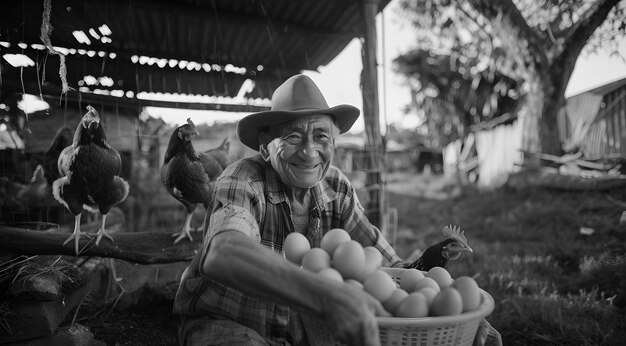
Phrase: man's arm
{"type": "Point", "coordinates": [237, 261]}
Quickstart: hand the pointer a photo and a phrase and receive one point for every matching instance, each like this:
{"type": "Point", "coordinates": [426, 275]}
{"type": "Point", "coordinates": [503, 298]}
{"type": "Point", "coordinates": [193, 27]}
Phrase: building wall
{"type": "Point", "coordinates": [613, 115]}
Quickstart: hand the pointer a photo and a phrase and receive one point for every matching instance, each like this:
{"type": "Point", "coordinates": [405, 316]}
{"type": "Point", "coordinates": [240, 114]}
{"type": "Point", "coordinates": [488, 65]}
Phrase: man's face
{"type": "Point", "coordinates": [301, 150]}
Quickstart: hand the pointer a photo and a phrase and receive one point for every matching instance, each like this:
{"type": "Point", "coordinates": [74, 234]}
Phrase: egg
{"type": "Point", "coordinates": [333, 238]}
{"type": "Point", "coordinates": [296, 245]}
{"type": "Point", "coordinates": [447, 303]}
{"type": "Point", "coordinates": [349, 259]}
{"type": "Point", "coordinates": [441, 276]}
{"type": "Point", "coordinates": [354, 283]}
{"type": "Point", "coordinates": [469, 291]}
{"type": "Point", "coordinates": [430, 294]}
{"type": "Point", "coordinates": [331, 273]}
{"type": "Point", "coordinates": [380, 285]}
{"type": "Point", "coordinates": [373, 261]}
{"type": "Point", "coordinates": [409, 278]}
{"type": "Point", "coordinates": [315, 260]}
{"type": "Point", "coordinates": [413, 306]}
{"type": "Point", "coordinates": [392, 303]}
{"type": "Point", "coordinates": [426, 282]}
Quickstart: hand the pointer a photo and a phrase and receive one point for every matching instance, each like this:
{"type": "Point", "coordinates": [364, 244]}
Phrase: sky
{"type": "Point", "coordinates": [339, 81]}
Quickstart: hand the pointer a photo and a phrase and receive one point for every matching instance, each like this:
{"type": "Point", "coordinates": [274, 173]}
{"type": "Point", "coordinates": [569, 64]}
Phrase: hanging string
{"type": "Point", "coordinates": [46, 30]}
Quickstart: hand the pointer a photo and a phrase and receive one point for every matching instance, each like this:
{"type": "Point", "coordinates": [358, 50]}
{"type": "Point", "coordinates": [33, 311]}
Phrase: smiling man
{"type": "Point", "coordinates": [239, 289]}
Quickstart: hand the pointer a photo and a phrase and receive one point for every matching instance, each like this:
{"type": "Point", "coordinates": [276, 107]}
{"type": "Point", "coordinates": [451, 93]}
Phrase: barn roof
{"type": "Point", "coordinates": [604, 88]}
{"type": "Point", "coordinates": [196, 47]}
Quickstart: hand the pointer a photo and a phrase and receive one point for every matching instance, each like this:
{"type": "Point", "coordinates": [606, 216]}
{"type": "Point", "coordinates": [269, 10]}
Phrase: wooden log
{"type": "Point", "coordinates": [137, 247]}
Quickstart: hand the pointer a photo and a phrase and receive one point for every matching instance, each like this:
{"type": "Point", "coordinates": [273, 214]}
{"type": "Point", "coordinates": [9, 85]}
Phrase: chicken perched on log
{"type": "Point", "coordinates": [188, 175]}
{"type": "Point", "coordinates": [89, 175]}
{"type": "Point", "coordinates": [438, 255]}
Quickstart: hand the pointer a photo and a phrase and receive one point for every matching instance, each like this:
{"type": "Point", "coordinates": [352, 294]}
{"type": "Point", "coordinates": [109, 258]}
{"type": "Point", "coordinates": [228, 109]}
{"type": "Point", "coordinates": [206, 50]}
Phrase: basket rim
{"type": "Point", "coordinates": [486, 307]}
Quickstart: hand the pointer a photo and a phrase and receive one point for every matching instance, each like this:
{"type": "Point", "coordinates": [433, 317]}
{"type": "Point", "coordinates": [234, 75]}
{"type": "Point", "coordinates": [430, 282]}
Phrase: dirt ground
{"type": "Point", "coordinates": [150, 324]}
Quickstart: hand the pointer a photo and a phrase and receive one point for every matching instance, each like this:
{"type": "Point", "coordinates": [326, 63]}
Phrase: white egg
{"type": "Point", "coordinates": [295, 246]}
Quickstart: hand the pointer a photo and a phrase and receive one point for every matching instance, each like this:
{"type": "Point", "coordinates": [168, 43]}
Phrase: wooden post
{"type": "Point", "coordinates": [374, 144]}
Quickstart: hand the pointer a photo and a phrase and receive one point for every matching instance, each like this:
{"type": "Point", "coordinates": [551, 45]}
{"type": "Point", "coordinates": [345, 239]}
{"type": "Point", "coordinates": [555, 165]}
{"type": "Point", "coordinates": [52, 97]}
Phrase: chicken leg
{"type": "Point", "coordinates": [186, 232]}
{"type": "Point", "coordinates": [76, 234]}
{"type": "Point", "coordinates": [102, 231]}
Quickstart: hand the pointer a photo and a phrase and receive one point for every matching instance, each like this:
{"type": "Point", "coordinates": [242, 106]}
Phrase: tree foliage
{"type": "Point", "coordinates": [533, 45]}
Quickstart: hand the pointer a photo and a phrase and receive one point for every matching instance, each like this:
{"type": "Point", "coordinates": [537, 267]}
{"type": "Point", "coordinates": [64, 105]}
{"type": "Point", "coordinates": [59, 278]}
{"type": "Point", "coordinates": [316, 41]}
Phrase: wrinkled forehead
{"type": "Point", "coordinates": [308, 123]}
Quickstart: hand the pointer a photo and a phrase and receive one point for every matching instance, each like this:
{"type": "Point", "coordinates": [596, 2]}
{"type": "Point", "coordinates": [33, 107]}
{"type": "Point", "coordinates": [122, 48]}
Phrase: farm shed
{"type": "Point", "coordinates": [595, 121]}
{"type": "Point", "coordinates": [351, 155]}
{"type": "Point", "coordinates": [592, 131]}
{"type": "Point", "coordinates": [226, 55]}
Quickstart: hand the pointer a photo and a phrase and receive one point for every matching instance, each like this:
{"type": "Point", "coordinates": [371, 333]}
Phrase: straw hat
{"type": "Point", "coordinates": [297, 97]}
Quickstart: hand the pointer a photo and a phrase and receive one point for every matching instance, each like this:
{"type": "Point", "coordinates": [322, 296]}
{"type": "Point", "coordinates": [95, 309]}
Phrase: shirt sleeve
{"type": "Point", "coordinates": [236, 207]}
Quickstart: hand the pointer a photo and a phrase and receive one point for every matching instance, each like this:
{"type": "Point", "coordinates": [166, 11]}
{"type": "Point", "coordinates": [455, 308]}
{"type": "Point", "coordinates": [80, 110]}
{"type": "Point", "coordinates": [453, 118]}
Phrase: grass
{"type": "Point", "coordinates": [552, 284]}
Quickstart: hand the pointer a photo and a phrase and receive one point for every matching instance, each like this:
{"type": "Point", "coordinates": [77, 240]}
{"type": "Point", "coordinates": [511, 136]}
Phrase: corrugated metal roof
{"type": "Point", "coordinates": [604, 89]}
{"type": "Point", "coordinates": [271, 40]}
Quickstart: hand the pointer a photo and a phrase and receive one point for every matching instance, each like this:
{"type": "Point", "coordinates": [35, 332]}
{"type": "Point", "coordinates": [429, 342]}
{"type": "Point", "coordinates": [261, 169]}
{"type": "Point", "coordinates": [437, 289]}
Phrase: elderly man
{"type": "Point", "coordinates": [239, 289]}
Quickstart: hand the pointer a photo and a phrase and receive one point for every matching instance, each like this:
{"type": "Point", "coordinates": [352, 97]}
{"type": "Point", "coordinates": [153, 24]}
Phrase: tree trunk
{"type": "Point", "coordinates": [548, 65]}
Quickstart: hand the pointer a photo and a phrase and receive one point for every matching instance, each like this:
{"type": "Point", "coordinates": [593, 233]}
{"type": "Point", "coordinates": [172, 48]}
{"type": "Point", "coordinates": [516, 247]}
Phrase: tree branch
{"type": "Point", "coordinates": [506, 9]}
{"type": "Point", "coordinates": [578, 34]}
{"type": "Point", "coordinates": [136, 247]}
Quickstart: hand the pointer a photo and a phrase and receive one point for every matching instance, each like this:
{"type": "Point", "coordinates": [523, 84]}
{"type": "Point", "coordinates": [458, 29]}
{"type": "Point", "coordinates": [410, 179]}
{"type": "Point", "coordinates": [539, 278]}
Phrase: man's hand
{"type": "Point", "coordinates": [351, 314]}
{"type": "Point", "coordinates": [487, 335]}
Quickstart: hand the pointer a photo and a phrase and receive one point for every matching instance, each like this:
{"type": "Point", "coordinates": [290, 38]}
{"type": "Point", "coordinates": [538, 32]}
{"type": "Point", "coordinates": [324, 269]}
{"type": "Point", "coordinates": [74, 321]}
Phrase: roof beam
{"type": "Point", "coordinates": [235, 18]}
{"type": "Point", "coordinates": [53, 95]}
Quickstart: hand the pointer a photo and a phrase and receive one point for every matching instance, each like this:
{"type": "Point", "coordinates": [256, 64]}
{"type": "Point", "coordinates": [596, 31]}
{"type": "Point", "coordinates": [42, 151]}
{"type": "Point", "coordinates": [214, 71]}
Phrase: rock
{"type": "Point", "coordinates": [70, 335]}
{"type": "Point", "coordinates": [44, 286]}
{"type": "Point", "coordinates": [30, 319]}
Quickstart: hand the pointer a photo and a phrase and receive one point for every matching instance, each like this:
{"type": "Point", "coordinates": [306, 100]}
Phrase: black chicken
{"type": "Point", "coordinates": [189, 176]}
{"type": "Point", "coordinates": [438, 255]}
{"type": "Point", "coordinates": [89, 175]}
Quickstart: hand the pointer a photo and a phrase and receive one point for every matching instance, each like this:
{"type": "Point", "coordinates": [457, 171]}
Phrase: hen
{"type": "Point", "coordinates": [188, 176]}
{"type": "Point", "coordinates": [62, 138]}
{"type": "Point", "coordinates": [22, 197]}
{"type": "Point", "coordinates": [89, 171]}
{"type": "Point", "coordinates": [438, 255]}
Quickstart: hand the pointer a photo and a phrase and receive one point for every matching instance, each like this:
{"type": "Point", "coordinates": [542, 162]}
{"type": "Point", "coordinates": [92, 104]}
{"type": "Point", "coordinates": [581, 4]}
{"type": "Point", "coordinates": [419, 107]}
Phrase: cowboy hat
{"type": "Point", "coordinates": [298, 96]}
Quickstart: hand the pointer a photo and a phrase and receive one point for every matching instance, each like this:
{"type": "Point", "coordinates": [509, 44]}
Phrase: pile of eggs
{"type": "Point", "coordinates": [413, 294]}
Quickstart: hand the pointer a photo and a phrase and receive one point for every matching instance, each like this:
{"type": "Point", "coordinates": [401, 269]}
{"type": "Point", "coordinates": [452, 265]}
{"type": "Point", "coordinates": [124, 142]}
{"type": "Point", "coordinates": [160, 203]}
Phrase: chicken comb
{"type": "Point", "coordinates": [92, 110]}
{"type": "Point", "coordinates": [454, 231]}
{"type": "Point", "coordinates": [191, 123]}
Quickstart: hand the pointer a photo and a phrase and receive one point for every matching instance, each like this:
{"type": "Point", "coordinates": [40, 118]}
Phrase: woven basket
{"type": "Point", "coordinates": [457, 330]}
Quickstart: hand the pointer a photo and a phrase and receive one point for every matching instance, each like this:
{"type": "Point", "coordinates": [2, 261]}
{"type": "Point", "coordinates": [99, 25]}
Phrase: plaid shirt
{"type": "Point", "coordinates": [249, 197]}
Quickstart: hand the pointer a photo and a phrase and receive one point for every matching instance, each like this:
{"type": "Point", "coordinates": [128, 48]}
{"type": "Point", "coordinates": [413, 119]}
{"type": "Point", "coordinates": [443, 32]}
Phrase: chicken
{"type": "Point", "coordinates": [89, 175]}
{"type": "Point", "coordinates": [62, 138]}
{"type": "Point", "coordinates": [221, 157]}
{"type": "Point", "coordinates": [22, 197]}
{"type": "Point", "coordinates": [438, 255]}
{"type": "Point", "coordinates": [189, 176]}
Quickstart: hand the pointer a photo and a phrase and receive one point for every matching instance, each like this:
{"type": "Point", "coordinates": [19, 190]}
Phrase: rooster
{"type": "Point", "coordinates": [438, 255]}
{"type": "Point", "coordinates": [188, 175]}
{"type": "Point", "coordinates": [89, 175]}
